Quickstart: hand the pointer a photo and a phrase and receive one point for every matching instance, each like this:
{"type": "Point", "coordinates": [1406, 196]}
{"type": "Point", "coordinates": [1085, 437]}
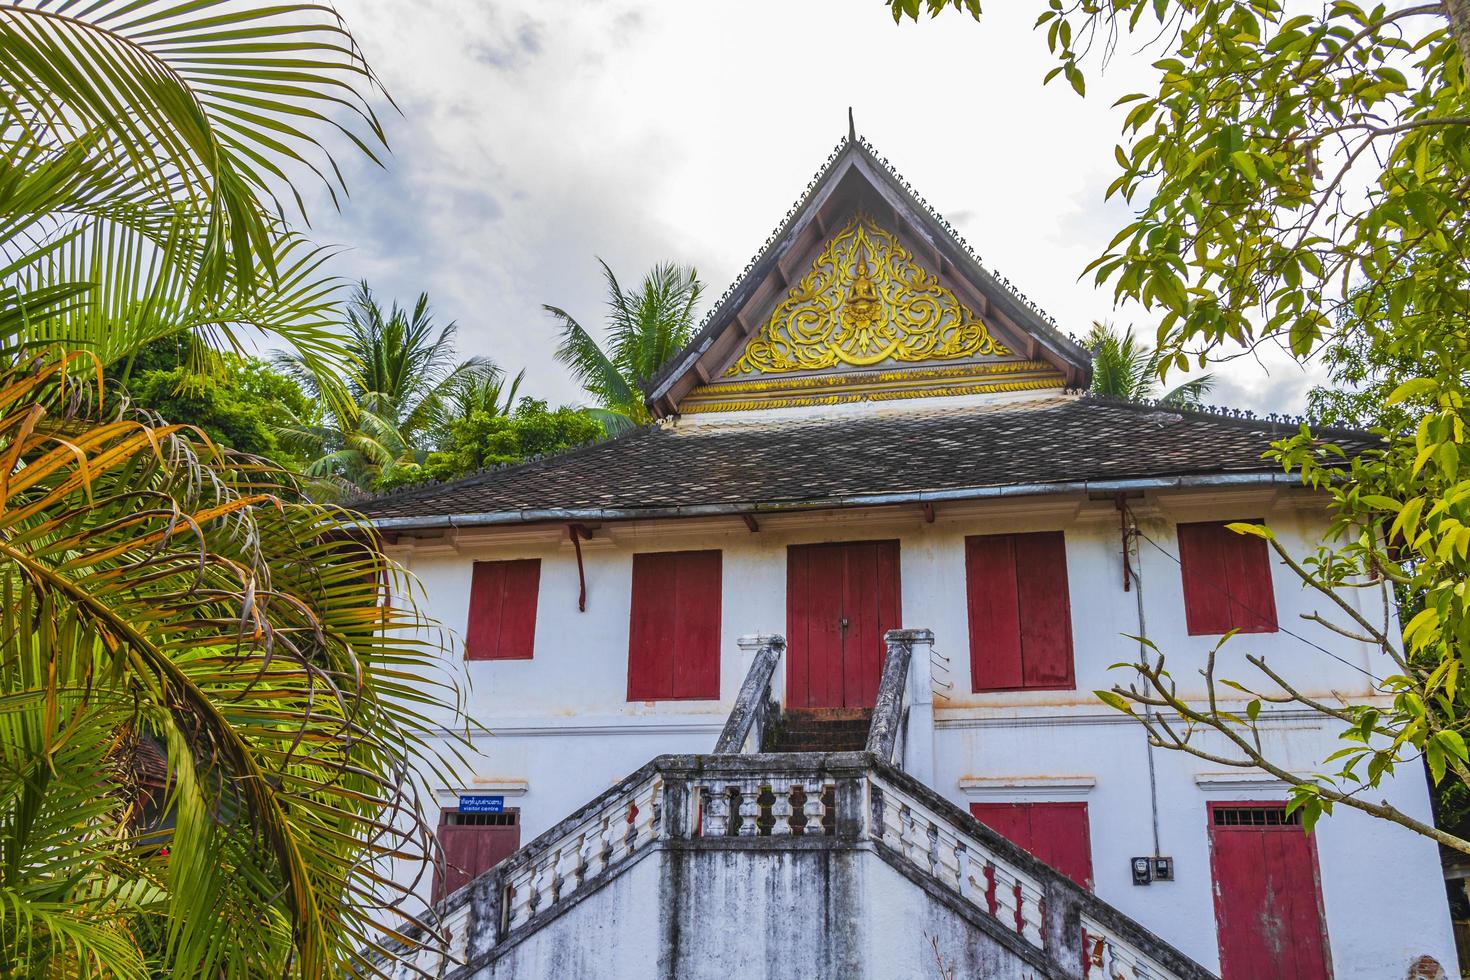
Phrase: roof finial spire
{"type": "Point", "coordinates": [851, 127]}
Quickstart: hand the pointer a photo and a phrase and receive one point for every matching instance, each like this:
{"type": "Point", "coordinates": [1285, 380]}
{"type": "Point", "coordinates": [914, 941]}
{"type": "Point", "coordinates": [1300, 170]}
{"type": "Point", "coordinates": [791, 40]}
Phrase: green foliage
{"type": "Point", "coordinates": [646, 327]}
{"type": "Point", "coordinates": [241, 404]}
{"type": "Point", "coordinates": [912, 8]}
{"type": "Point", "coordinates": [1365, 366]}
{"type": "Point", "coordinates": [155, 590]}
{"type": "Point", "coordinates": [149, 151]}
{"type": "Point", "coordinates": [395, 398]}
{"type": "Point", "coordinates": [482, 438]}
{"type": "Point", "coordinates": [1299, 178]}
{"type": "Point", "coordinates": [1122, 367]}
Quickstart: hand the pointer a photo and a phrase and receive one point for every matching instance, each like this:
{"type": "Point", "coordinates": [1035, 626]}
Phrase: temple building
{"type": "Point", "coordinates": [798, 680]}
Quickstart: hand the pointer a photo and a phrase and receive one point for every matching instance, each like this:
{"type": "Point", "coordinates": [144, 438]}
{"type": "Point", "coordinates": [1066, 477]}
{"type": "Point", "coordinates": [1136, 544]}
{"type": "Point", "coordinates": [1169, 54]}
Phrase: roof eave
{"type": "Point", "coordinates": [568, 515]}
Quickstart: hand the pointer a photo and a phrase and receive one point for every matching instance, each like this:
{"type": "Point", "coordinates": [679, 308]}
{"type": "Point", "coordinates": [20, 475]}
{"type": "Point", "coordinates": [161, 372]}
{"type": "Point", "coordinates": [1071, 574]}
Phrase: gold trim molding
{"type": "Point", "coordinates": [872, 387]}
{"type": "Point", "coordinates": [843, 398]}
{"type": "Point", "coordinates": [865, 301]}
{"type": "Point", "coordinates": [869, 378]}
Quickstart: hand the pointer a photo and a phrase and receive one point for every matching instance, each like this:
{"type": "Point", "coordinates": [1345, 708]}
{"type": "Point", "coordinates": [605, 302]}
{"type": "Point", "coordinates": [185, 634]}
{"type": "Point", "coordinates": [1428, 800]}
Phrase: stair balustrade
{"type": "Point", "coordinates": [902, 732]}
{"type": "Point", "coordinates": [844, 801]}
{"type": "Point", "coordinates": [756, 704]}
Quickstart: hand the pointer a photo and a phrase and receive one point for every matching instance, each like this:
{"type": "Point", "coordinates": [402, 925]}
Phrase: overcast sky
{"type": "Point", "coordinates": [535, 137]}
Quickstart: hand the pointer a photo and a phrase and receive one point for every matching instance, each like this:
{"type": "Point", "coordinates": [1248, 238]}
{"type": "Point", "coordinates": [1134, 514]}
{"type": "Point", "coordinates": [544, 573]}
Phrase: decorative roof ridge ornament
{"type": "Point", "coordinates": [865, 301]}
{"type": "Point", "coordinates": [1215, 411]}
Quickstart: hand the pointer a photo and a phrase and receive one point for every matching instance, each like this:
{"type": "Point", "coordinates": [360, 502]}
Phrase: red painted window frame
{"type": "Point", "coordinates": [504, 596]}
{"type": "Point", "coordinates": [999, 807]}
{"type": "Point", "coordinates": [1311, 841]}
{"type": "Point", "coordinates": [1242, 564]}
{"type": "Point", "coordinates": [674, 626]}
{"type": "Point", "coordinates": [993, 582]}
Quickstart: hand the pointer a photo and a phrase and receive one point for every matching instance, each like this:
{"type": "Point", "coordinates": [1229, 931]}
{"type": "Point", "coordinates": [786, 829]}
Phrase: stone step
{"type": "Point", "coordinates": [806, 726]}
{"type": "Point", "coordinates": [821, 730]}
{"type": "Point", "coordinates": [818, 746]}
{"type": "Point", "coordinates": [863, 715]}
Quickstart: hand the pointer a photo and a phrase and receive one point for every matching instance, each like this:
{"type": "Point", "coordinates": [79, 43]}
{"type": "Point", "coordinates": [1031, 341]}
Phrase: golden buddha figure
{"type": "Point", "coordinates": [862, 308]}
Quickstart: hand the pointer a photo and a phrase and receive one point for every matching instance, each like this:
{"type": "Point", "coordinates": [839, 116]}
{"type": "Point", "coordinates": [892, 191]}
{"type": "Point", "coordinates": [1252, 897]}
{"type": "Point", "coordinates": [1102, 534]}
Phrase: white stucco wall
{"type": "Point", "coordinates": [562, 730]}
{"type": "Point", "coordinates": [770, 914]}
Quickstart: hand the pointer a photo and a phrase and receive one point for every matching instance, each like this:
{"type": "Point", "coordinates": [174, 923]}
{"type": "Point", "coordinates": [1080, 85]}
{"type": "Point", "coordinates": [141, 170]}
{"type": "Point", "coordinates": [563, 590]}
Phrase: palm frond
{"type": "Point", "coordinates": [205, 113]}
{"type": "Point", "coordinates": [1190, 394]}
{"type": "Point", "coordinates": [160, 583]}
{"type": "Point", "coordinates": [590, 366]}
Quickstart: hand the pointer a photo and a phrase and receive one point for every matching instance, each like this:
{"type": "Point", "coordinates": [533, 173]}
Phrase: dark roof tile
{"type": "Point", "coordinates": [789, 461]}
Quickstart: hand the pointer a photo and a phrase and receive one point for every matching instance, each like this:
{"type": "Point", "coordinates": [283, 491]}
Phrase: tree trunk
{"type": "Point", "coordinates": [1458, 12]}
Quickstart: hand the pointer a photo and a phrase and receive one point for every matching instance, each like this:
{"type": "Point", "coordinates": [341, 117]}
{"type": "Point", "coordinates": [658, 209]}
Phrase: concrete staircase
{"type": "Point", "coordinates": [819, 730]}
{"type": "Point", "coordinates": [808, 859]}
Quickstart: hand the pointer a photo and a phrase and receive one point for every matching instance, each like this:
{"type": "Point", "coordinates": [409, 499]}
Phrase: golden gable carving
{"type": "Point", "coordinates": [864, 301]}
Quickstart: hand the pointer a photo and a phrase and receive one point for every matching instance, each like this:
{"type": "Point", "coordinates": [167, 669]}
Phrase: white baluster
{"type": "Point", "coordinates": [1006, 909]}
{"type": "Point", "coordinates": [906, 842]}
{"type": "Point", "coordinates": [585, 856]}
{"type": "Point", "coordinates": [749, 807]}
{"type": "Point", "coordinates": [535, 887]}
{"type": "Point", "coordinates": [813, 808]}
{"type": "Point", "coordinates": [1114, 968]}
{"type": "Point", "coordinates": [553, 885]}
{"type": "Point", "coordinates": [962, 881]}
{"type": "Point", "coordinates": [520, 891]}
{"type": "Point", "coordinates": [716, 812]}
{"type": "Point", "coordinates": [1031, 915]}
{"type": "Point", "coordinates": [629, 820]}
{"type": "Point", "coordinates": [781, 809]}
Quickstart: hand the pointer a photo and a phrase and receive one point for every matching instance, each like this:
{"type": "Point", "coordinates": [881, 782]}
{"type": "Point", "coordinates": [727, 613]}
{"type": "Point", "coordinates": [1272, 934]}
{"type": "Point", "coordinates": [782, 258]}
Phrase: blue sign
{"type": "Point", "coordinates": [482, 804]}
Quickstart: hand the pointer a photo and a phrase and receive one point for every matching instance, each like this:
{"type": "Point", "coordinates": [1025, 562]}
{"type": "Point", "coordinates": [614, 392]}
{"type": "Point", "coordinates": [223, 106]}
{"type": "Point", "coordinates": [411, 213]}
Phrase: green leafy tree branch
{"type": "Point", "coordinates": [1300, 179]}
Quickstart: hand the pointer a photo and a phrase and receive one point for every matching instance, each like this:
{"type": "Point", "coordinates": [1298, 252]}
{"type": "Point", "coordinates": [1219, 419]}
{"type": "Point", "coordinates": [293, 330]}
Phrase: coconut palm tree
{"type": "Point", "coordinates": [204, 722]}
{"type": "Point", "coordinates": [494, 395]}
{"type": "Point", "coordinates": [1124, 367]}
{"type": "Point", "coordinates": [402, 382]}
{"type": "Point", "coordinates": [645, 328]}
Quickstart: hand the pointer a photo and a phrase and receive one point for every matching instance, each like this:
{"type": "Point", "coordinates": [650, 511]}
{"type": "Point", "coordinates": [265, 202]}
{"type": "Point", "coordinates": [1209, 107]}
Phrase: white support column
{"type": "Point", "coordinates": [918, 747]}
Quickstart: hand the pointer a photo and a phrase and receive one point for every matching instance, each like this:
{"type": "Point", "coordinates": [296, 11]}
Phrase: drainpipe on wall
{"type": "Point", "coordinates": [1132, 577]}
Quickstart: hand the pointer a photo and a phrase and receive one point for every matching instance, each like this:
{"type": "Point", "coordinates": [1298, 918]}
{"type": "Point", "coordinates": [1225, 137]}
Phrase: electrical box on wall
{"type": "Point", "coordinates": [1147, 870]}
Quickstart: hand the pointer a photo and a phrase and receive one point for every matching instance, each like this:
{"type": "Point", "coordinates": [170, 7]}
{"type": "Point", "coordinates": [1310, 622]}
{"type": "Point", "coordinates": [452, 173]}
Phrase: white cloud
{"type": "Point", "coordinates": [535, 138]}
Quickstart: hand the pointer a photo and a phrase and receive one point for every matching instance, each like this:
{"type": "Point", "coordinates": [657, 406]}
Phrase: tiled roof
{"type": "Point", "coordinates": [835, 459]}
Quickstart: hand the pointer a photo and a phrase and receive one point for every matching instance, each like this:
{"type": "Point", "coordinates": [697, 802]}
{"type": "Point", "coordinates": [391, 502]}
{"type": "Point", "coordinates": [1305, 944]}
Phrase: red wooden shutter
{"type": "Point", "coordinates": [1056, 833]}
{"type": "Point", "coordinates": [1227, 580]}
{"type": "Point", "coordinates": [995, 613]}
{"type": "Point", "coordinates": [1020, 611]}
{"type": "Point", "coordinates": [1046, 609]}
{"type": "Point", "coordinates": [502, 621]}
{"type": "Point", "coordinates": [1268, 903]}
{"type": "Point", "coordinates": [674, 627]}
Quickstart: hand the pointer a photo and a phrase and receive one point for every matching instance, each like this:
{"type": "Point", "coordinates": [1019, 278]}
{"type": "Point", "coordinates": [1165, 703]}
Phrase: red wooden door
{"type": "Point", "coordinates": [1268, 903]}
{"type": "Point", "coordinates": [473, 843]}
{"type": "Point", "coordinates": [1056, 833]}
{"type": "Point", "coordinates": [840, 600]}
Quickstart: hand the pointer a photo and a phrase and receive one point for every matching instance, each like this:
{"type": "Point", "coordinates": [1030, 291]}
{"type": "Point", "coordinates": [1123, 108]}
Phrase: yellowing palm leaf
{"type": "Point", "coordinates": [153, 588]}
